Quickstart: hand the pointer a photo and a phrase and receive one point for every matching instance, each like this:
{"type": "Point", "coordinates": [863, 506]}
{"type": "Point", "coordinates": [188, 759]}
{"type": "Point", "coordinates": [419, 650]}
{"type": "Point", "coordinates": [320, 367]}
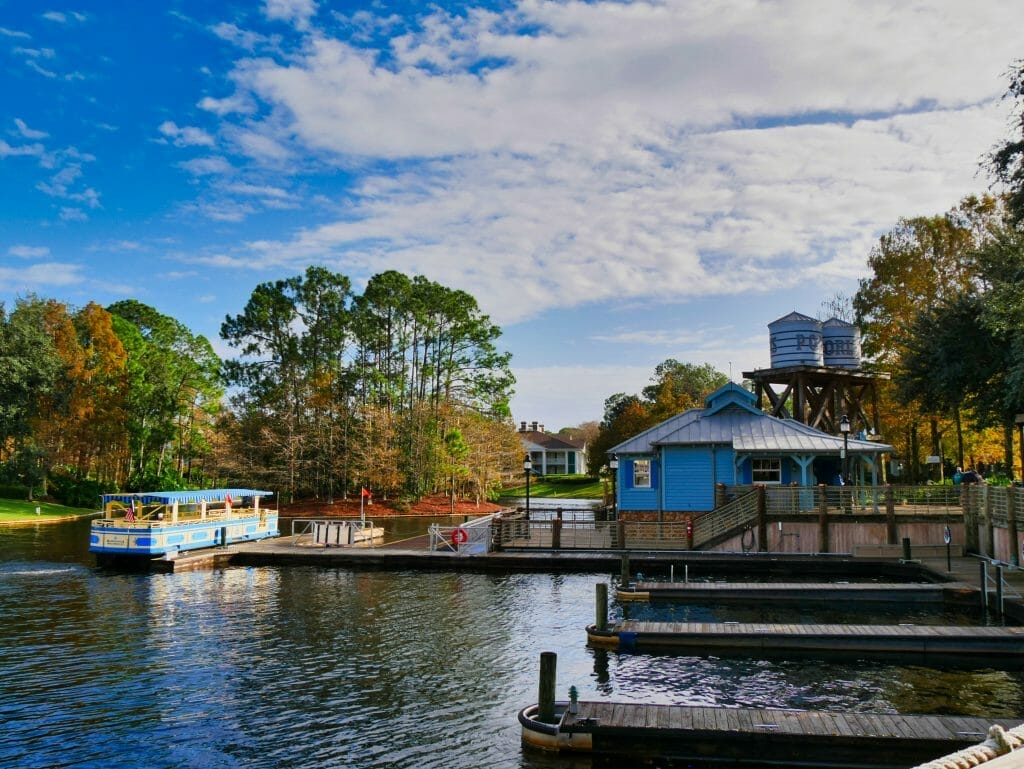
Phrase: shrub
{"type": "Point", "coordinates": [13, 491]}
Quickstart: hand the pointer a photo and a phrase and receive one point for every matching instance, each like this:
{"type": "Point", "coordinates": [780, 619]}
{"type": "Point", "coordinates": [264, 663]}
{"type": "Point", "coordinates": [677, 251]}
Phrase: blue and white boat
{"type": "Point", "coordinates": [161, 524]}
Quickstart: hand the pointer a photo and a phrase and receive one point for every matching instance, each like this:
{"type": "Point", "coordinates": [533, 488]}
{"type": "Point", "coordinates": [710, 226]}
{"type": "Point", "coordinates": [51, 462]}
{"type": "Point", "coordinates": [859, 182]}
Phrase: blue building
{"type": "Point", "coordinates": [674, 467]}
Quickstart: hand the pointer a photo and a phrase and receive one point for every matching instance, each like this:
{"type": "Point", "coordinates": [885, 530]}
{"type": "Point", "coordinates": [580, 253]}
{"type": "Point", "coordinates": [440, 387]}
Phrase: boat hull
{"type": "Point", "coordinates": [144, 540]}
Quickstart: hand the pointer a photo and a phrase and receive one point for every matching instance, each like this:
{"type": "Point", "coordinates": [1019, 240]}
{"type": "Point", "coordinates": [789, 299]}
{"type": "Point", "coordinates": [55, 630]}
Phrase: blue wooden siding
{"type": "Point", "coordinates": [689, 482]}
{"type": "Point", "coordinates": [631, 498]}
{"type": "Point", "coordinates": [725, 466]}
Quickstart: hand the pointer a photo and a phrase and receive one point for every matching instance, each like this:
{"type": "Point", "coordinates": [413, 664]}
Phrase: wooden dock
{"type": "Point", "coordinates": [952, 646]}
{"type": "Point", "coordinates": [756, 737]}
{"type": "Point", "coordinates": [803, 593]}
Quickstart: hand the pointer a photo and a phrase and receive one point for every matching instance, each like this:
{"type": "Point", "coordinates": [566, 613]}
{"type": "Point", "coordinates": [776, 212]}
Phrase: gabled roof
{"type": "Point", "coordinates": [731, 420]}
{"type": "Point", "coordinates": [551, 442]}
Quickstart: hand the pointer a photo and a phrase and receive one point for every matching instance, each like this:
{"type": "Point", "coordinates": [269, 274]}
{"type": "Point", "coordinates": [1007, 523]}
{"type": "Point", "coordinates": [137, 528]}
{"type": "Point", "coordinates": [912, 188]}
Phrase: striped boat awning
{"type": "Point", "coordinates": [187, 497]}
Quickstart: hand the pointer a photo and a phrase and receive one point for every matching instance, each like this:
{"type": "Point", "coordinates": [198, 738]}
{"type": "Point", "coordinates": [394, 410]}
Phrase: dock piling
{"type": "Point", "coordinates": [999, 591]}
{"type": "Point", "coordinates": [983, 566]}
{"type": "Point", "coordinates": [624, 570]}
{"type": "Point", "coordinates": [601, 619]}
{"type": "Point", "coordinates": [546, 692]}
{"type": "Point", "coordinates": [906, 549]}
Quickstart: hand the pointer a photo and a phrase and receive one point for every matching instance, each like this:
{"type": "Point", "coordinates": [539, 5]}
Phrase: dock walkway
{"type": "Point", "coordinates": [956, 646]}
{"type": "Point", "coordinates": [804, 593]}
{"type": "Point", "coordinates": [761, 737]}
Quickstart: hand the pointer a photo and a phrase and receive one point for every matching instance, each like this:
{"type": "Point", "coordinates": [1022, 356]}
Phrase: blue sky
{"type": "Point", "coordinates": [616, 183]}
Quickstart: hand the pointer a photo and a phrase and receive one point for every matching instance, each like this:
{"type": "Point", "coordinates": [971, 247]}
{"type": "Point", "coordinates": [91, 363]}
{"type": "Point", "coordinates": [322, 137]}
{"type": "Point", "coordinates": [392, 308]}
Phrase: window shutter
{"type": "Point", "coordinates": [627, 474]}
{"type": "Point", "coordinates": [654, 473]}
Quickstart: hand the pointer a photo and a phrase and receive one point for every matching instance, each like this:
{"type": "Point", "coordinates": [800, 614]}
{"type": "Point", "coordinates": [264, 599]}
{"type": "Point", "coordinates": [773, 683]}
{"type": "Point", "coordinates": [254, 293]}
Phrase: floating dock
{"type": "Point", "coordinates": [953, 646]}
{"type": "Point", "coordinates": [753, 737]}
{"type": "Point", "coordinates": [803, 593]}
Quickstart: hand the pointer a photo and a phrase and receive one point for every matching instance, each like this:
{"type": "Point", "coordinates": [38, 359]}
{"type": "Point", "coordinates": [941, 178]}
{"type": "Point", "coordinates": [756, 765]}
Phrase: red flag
{"type": "Point", "coordinates": [129, 515]}
{"type": "Point", "coordinates": [366, 492]}
{"type": "Point", "coordinates": [227, 503]}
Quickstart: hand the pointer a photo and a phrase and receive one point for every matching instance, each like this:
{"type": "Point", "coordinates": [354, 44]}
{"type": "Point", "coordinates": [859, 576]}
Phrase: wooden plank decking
{"type": "Point", "coordinates": [771, 737]}
{"type": "Point", "coordinates": [953, 646]}
{"type": "Point", "coordinates": [802, 592]}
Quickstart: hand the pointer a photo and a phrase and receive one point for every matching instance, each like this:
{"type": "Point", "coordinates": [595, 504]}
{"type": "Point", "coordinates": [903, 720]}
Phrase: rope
{"type": "Point", "coordinates": [999, 742]}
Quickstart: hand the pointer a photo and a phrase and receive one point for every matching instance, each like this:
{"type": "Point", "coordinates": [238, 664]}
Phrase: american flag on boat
{"type": "Point", "coordinates": [129, 515]}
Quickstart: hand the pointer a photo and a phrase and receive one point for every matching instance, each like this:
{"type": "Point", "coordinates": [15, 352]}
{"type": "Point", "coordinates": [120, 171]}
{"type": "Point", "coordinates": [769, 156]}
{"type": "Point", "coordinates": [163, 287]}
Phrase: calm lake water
{"type": "Point", "coordinates": [305, 667]}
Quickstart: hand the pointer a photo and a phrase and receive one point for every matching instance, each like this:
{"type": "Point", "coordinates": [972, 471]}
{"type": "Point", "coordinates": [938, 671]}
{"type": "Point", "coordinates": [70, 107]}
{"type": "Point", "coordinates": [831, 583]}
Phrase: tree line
{"type": "Point", "coordinates": [400, 389]}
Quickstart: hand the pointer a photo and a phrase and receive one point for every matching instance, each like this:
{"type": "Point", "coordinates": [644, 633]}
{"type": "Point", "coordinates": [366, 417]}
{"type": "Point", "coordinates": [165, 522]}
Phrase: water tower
{"type": "Point", "coordinates": [816, 375]}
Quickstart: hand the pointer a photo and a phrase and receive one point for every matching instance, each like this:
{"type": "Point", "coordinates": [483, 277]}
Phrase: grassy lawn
{"type": "Point", "coordinates": [557, 487]}
{"type": "Point", "coordinates": [19, 510]}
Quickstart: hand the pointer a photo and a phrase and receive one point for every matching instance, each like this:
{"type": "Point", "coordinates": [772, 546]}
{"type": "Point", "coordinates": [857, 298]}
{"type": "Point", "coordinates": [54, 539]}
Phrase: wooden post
{"type": "Point", "coordinates": [983, 567]}
{"type": "Point", "coordinates": [823, 535]}
{"type": "Point", "coordinates": [624, 571]}
{"type": "Point", "coordinates": [556, 532]}
{"type": "Point", "coordinates": [720, 498]}
{"type": "Point", "coordinates": [546, 692]}
{"type": "Point", "coordinates": [906, 549]}
{"type": "Point", "coordinates": [1011, 526]}
{"type": "Point", "coordinates": [890, 515]}
{"type": "Point", "coordinates": [223, 536]}
{"type": "Point", "coordinates": [990, 529]}
{"type": "Point", "coordinates": [601, 620]}
{"type": "Point", "coordinates": [621, 529]}
{"type": "Point", "coordinates": [999, 591]}
{"type": "Point", "coordinates": [762, 519]}
{"type": "Point", "coordinates": [969, 505]}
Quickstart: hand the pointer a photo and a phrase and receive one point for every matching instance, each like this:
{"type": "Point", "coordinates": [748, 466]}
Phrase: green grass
{"type": "Point", "coordinates": [18, 510]}
{"type": "Point", "coordinates": [559, 487]}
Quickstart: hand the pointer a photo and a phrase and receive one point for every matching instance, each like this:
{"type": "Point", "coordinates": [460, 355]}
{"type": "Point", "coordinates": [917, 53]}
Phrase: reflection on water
{"type": "Point", "coordinates": [305, 667]}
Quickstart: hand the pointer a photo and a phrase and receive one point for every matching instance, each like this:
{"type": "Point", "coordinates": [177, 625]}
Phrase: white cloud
{"type": "Point", "coordinates": [206, 166]}
{"type": "Point", "coordinates": [237, 36]}
{"type": "Point", "coordinates": [28, 252]}
{"type": "Point", "coordinates": [227, 106]}
{"type": "Point", "coordinates": [60, 17]}
{"type": "Point", "coordinates": [185, 136]}
{"type": "Point", "coordinates": [297, 12]}
{"type": "Point", "coordinates": [27, 132]}
{"type": "Point", "coordinates": [14, 33]}
{"type": "Point", "coordinates": [69, 214]}
{"type": "Point", "coordinates": [32, 150]}
{"type": "Point", "coordinates": [43, 275]}
{"type": "Point", "coordinates": [630, 152]}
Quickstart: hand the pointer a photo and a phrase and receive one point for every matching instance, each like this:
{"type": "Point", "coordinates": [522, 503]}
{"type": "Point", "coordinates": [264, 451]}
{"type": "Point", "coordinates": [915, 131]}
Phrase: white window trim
{"type": "Point", "coordinates": [777, 469]}
{"type": "Point", "coordinates": [646, 462]}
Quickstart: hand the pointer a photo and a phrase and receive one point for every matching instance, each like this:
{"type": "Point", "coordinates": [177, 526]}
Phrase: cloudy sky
{"type": "Point", "coordinates": [616, 182]}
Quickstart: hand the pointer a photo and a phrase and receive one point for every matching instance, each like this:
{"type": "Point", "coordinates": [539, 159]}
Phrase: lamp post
{"type": "Point", "coordinates": [844, 428]}
{"type": "Point", "coordinates": [613, 466]}
{"type": "Point", "coordinates": [527, 467]}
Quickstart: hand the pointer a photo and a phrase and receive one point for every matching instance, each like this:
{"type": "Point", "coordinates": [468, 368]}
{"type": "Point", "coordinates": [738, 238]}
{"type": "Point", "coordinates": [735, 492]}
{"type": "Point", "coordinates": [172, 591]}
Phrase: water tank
{"type": "Point", "coordinates": [796, 341]}
{"type": "Point", "coordinates": [840, 343]}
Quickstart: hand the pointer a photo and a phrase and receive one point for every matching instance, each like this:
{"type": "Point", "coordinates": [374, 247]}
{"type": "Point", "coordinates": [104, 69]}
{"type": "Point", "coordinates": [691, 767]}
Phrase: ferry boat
{"type": "Point", "coordinates": [161, 524]}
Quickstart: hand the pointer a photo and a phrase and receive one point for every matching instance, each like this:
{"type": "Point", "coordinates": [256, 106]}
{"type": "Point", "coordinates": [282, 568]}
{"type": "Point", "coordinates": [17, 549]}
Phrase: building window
{"type": "Point", "coordinates": [641, 473]}
{"type": "Point", "coordinates": [766, 471]}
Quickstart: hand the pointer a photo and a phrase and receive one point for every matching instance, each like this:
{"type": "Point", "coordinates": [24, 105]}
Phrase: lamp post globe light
{"type": "Point", "coordinates": [844, 428]}
{"type": "Point", "coordinates": [527, 467]}
{"type": "Point", "coordinates": [613, 466]}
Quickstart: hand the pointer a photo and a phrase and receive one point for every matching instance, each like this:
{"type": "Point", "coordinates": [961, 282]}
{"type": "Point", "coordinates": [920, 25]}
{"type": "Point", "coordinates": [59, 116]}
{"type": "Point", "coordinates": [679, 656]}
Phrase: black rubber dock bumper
{"type": "Point", "coordinates": [947, 646]}
{"type": "Point", "coordinates": [748, 737]}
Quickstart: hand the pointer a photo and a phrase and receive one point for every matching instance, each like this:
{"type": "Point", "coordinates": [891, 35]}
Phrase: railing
{"type": "Point", "coordinates": [735, 515]}
{"type": "Point", "coordinates": [470, 537]}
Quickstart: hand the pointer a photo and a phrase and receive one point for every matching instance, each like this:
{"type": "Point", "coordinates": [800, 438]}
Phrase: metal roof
{"type": "Point", "coordinates": [745, 431]}
{"type": "Point", "coordinates": [188, 497]}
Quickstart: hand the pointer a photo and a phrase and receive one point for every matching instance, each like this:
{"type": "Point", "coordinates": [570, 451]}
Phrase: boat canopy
{"type": "Point", "coordinates": [186, 497]}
